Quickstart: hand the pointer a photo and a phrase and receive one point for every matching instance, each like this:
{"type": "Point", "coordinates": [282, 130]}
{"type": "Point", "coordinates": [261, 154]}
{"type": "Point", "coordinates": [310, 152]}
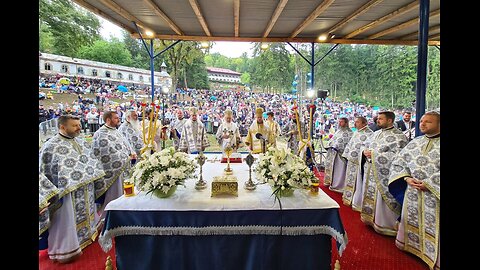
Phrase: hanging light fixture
{"type": "Point", "coordinates": [325, 36]}
{"type": "Point", "coordinates": [204, 44]}
{"type": "Point", "coordinates": [149, 33]}
{"type": "Point", "coordinates": [264, 46]}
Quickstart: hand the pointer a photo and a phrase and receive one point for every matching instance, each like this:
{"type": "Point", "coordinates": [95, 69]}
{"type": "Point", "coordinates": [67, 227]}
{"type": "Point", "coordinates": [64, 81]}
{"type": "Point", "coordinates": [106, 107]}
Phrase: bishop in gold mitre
{"type": "Point", "coordinates": [254, 141]}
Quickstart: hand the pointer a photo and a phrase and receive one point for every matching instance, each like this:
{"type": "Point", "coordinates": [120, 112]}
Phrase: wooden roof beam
{"type": "Point", "coordinates": [355, 14]}
{"type": "Point", "coordinates": [401, 26]}
{"type": "Point", "coordinates": [201, 19]}
{"type": "Point", "coordinates": [122, 12]}
{"type": "Point", "coordinates": [102, 14]}
{"type": "Point", "coordinates": [436, 36]}
{"type": "Point", "coordinates": [319, 10]}
{"type": "Point", "coordinates": [164, 16]}
{"type": "Point", "coordinates": [278, 10]}
{"type": "Point", "coordinates": [289, 39]}
{"type": "Point", "coordinates": [236, 15]}
{"type": "Point", "coordinates": [385, 18]}
{"type": "Point", "coordinates": [414, 35]}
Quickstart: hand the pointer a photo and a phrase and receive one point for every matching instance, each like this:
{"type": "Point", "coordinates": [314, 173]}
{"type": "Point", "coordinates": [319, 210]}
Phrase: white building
{"type": "Point", "coordinates": [223, 75]}
{"type": "Point", "coordinates": [51, 64]}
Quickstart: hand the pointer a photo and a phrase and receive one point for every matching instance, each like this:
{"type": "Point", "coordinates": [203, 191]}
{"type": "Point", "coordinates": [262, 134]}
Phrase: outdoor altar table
{"type": "Point", "coordinates": [192, 230]}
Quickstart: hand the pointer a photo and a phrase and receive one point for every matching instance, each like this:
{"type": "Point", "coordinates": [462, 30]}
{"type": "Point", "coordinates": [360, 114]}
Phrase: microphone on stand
{"type": "Point", "coordinates": [260, 137]}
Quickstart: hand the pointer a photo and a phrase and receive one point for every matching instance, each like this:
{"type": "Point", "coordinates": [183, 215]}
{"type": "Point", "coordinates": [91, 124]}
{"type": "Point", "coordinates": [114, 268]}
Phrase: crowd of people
{"type": "Point", "coordinates": [376, 162]}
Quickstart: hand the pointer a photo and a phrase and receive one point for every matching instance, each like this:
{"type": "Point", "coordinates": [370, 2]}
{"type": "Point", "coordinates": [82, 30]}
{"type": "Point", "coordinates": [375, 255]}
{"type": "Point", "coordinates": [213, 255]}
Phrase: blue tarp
{"type": "Point", "coordinates": [122, 88]}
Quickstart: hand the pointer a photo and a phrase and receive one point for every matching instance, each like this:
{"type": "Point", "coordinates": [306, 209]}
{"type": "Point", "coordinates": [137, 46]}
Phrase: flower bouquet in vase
{"type": "Point", "coordinates": [161, 172]}
{"type": "Point", "coordinates": [284, 171]}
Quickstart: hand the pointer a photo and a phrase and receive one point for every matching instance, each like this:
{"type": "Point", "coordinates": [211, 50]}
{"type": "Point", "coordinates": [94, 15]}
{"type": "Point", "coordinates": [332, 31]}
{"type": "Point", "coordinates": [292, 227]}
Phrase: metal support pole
{"type": "Point", "coordinates": [329, 51]}
{"type": "Point", "coordinates": [152, 69]}
{"type": "Point", "coordinates": [141, 38]}
{"type": "Point", "coordinates": [422, 64]}
{"type": "Point", "coordinates": [163, 119]}
{"type": "Point", "coordinates": [167, 48]}
{"type": "Point", "coordinates": [299, 53]}
{"type": "Point", "coordinates": [312, 67]}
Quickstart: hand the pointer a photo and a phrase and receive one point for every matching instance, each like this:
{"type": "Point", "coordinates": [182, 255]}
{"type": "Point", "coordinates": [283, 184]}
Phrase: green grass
{"type": "Point", "coordinates": [69, 98]}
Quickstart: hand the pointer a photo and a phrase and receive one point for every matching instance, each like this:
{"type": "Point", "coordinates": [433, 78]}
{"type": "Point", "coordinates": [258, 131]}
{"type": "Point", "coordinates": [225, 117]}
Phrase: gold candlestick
{"type": "Point", "coordinates": [249, 185]}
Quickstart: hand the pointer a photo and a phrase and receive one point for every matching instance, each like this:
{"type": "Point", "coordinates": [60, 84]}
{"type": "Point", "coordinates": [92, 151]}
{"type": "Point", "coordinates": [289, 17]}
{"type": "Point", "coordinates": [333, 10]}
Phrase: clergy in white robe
{"type": "Point", "coordinates": [194, 138]}
{"type": "Point", "coordinates": [353, 192]}
{"type": "Point", "coordinates": [335, 164]}
{"type": "Point", "coordinates": [415, 182]}
{"type": "Point", "coordinates": [261, 144]}
{"type": "Point", "coordinates": [114, 153]}
{"type": "Point", "coordinates": [130, 129]}
{"type": "Point", "coordinates": [47, 192]}
{"type": "Point", "coordinates": [69, 164]}
{"type": "Point", "coordinates": [274, 128]}
{"type": "Point", "coordinates": [176, 128]}
{"type": "Point", "coordinates": [228, 133]}
{"type": "Point", "coordinates": [379, 207]}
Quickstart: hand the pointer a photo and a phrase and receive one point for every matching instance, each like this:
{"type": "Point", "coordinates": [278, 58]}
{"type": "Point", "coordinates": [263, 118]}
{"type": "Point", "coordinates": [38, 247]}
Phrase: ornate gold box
{"type": "Point", "coordinates": [225, 185]}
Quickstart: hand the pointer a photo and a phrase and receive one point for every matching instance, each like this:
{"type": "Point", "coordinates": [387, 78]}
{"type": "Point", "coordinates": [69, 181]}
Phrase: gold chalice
{"type": "Point", "coordinates": [228, 151]}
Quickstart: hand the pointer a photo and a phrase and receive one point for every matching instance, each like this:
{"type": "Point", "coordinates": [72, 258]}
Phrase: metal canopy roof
{"type": "Point", "coordinates": [394, 22]}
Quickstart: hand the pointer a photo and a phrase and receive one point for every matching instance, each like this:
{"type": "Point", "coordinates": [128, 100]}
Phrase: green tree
{"type": "Point", "coordinates": [196, 75]}
{"type": "Point", "coordinates": [245, 78]}
{"type": "Point", "coordinates": [178, 57]}
{"type": "Point", "coordinates": [46, 39]}
{"type": "Point", "coordinates": [140, 58]}
{"type": "Point", "coordinates": [271, 68]}
{"type": "Point", "coordinates": [433, 77]}
{"type": "Point", "coordinates": [113, 52]}
{"type": "Point", "coordinates": [70, 26]}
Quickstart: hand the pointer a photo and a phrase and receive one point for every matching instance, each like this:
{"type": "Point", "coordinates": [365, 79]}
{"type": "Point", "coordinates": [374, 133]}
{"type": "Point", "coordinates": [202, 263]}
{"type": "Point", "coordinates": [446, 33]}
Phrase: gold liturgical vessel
{"type": "Point", "coordinates": [228, 151]}
{"type": "Point", "coordinates": [226, 184]}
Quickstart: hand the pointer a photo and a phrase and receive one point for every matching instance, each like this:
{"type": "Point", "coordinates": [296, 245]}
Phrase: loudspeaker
{"type": "Point", "coordinates": [322, 93]}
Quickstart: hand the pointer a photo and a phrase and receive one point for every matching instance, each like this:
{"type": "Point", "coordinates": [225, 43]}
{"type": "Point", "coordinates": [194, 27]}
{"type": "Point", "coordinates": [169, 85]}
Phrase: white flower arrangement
{"type": "Point", "coordinates": [283, 170]}
{"type": "Point", "coordinates": [163, 170]}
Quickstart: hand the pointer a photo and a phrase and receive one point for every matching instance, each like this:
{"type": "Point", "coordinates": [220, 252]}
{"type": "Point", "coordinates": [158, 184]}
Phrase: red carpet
{"type": "Point", "coordinates": [93, 258]}
{"type": "Point", "coordinates": [366, 249]}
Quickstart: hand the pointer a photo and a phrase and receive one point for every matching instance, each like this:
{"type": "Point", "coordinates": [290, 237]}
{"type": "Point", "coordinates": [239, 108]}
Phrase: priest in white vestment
{"type": "Point", "coordinates": [176, 128]}
{"type": "Point", "coordinates": [335, 164]}
{"type": "Point", "coordinates": [415, 182]}
{"type": "Point", "coordinates": [274, 128]}
{"type": "Point", "coordinates": [194, 138]}
{"type": "Point", "coordinates": [259, 137]}
{"type": "Point", "coordinates": [353, 192]}
{"type": "Point", "coordinates": [69, 164]}
{"type": "Point", "coordinates": [228, 133]}
{"type": "Point", "coordinates": [130, 129]}
{"type": "Point", "coordinates": [379, 207]}
{"type": "Point", "coordinates": [114, 153]}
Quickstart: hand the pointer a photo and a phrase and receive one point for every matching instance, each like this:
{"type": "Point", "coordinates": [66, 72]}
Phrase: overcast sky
{"type": "Point", "coordinates": [229, 49]}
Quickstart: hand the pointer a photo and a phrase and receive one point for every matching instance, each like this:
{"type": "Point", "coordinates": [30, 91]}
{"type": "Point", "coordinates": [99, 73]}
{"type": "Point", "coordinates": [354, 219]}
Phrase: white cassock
{"type": "Point", "coordinates": [335, 164]}
{"type": "Point", "coordinates": [379, 207]}
{"type": "Point", "coordinates": [419, 228]}
{"type": "Point", "coordinates": [353, 192]}
{"type": "Point", "coordinates": [69, 164]}
{"type": "Point", "coordinates": [176, 131]}
{"type": "Point", "coordinates": [232, 130]}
